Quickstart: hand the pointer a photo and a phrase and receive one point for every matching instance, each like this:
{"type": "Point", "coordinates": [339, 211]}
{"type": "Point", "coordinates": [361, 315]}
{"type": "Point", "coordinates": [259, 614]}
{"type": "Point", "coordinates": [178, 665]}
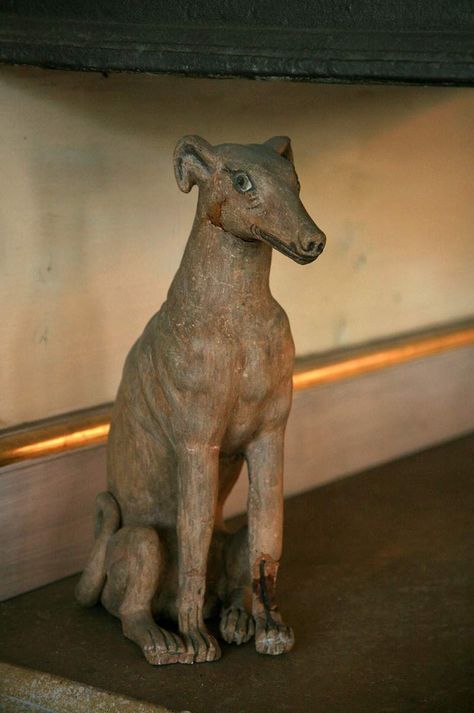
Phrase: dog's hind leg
{"type": "Point", "coordinates": [134, 569]}
{"type": "Point", "coordinates": [107, 522]}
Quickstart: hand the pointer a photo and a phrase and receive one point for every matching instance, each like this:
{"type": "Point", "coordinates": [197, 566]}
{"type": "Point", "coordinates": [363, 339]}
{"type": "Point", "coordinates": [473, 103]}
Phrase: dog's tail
{"type": "Point", "coordinates": [107, 522]}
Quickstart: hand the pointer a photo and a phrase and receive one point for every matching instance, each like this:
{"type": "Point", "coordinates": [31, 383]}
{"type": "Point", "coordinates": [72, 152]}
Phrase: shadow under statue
{"type": "Point", "coordinates": [206, 386]}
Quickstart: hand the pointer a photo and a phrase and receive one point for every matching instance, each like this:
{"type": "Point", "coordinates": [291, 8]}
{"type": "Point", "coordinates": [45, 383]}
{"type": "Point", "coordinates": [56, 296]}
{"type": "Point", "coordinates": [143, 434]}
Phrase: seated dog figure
{"type": "Point", "coordinates": [207, 386]}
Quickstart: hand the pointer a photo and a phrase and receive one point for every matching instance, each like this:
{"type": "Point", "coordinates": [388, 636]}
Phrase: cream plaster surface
{"type": "Point", "coordinates": [92, 224]}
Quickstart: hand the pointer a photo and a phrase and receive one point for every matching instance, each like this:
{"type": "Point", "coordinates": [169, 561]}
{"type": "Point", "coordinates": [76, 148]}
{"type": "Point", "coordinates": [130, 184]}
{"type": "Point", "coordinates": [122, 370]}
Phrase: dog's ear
{"type": "Point", "coordinates": [194, 161]}
{"type": "Point", "coordinates": [282, 145]}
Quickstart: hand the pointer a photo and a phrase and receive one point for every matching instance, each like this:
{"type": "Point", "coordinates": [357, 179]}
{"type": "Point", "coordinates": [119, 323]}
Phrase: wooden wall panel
{"type": "Point", "coordinates": [46, 506]}
{"type": "Point", "coordinates": [46, 518]}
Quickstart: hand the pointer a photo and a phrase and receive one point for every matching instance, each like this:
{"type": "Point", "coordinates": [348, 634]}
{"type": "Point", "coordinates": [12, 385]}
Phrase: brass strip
{"type": "Point", "coordinates": [76, 439]}
{"type": "Point", "coordinates": [91, 427]}
{"type": "Point", "coordinates": [382, 358]}
{"type": "Point", "coordinates": [56, 435]}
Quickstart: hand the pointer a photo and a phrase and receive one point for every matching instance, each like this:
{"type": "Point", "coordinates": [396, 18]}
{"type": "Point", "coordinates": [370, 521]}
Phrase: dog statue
{"type": "Point", "coordinates": [207, 386]}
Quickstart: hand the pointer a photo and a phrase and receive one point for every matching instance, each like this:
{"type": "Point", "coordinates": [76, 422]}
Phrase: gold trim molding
{"type": "Point", "coordinates": [382, 356]}
{"type": "Point", "coordinates": [91, 426]}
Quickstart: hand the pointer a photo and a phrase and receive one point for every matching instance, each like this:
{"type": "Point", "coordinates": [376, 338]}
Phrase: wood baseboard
{"type": "Point", "coordinates": [373, 409]}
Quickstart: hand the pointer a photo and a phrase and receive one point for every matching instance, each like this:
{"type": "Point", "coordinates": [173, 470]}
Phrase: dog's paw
{"type": "Point", "coordinates": [273, 637]}
{"type": "Point", "coordinates": [236, 625]}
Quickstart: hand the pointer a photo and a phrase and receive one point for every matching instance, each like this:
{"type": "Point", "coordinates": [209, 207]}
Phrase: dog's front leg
{"type": "Point", "coordinates": [198, 485]}
{"type": "Point", "coordinates": [265, 512]}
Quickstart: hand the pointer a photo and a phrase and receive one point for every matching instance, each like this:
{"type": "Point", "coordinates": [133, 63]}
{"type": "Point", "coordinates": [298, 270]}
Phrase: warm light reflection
{"type": "Point", "coordinates": [76, 439]}
{"type": "Point", "coordinates": [382, 358]}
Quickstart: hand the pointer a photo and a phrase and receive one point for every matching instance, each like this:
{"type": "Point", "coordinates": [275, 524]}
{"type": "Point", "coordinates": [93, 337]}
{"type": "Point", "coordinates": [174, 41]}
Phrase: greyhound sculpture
{"type": "Point", "coordinates": [206, 386]}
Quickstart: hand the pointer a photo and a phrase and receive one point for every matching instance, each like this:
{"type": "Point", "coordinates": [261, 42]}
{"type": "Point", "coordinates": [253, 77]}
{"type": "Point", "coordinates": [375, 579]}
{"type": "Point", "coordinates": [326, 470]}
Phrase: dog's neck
{"type": "Point", "coordinates": [221, 272]}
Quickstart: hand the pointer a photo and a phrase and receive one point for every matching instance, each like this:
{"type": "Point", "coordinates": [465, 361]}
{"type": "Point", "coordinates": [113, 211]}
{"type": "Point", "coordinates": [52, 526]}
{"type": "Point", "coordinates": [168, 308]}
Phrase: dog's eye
{"type": "Point", "coordinates": [242, 182]}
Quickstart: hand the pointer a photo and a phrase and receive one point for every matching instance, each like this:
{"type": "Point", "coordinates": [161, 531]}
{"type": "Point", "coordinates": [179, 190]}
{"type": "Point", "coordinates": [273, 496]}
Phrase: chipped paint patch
{"type": "Point", "coordinates": [264, 584]}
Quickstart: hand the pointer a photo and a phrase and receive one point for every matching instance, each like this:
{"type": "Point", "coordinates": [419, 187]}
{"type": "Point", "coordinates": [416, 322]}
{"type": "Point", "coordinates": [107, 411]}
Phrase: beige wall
{"type": "Point", "coordinates": [93, 225]}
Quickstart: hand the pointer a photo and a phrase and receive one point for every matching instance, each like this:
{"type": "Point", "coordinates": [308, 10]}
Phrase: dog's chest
{"type": "Point", "coordinates": [266, 360]}
{"type": "Point", "coordinates": [262, 386]}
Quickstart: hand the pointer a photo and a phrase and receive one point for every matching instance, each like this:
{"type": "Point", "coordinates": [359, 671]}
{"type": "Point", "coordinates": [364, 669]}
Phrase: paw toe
{"type": "Point", "coordinates": [200, 647]}
{"type": "Point", "coordinates": [163, 648]}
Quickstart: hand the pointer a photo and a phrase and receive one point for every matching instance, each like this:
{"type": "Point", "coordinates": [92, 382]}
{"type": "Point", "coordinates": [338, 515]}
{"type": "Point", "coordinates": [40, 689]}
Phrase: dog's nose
{"type": "Point", "coordinates": [315, 244]}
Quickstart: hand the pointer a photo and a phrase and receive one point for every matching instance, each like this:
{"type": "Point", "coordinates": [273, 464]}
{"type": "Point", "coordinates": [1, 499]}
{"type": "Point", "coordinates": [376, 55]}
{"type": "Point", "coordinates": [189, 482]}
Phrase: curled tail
{"type": "Point", "coordinates": [107, 522]}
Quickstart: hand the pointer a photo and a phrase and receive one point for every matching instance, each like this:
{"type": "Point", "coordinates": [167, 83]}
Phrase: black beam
{"type": "Point", "coordinates": [324, 40]}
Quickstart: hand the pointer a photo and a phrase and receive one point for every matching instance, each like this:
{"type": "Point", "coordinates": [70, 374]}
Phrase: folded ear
{"type": "Point", "coordinates": [282, 145]}
{"type": "Point", "coordinates": [194, 160]}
